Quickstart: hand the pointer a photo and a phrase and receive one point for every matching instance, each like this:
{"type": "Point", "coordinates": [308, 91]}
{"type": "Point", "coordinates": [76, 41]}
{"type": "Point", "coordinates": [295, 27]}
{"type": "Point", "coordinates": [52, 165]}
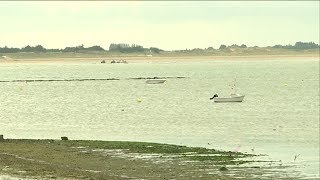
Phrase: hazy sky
{"type": "Point", "coordinates": [163, 24]}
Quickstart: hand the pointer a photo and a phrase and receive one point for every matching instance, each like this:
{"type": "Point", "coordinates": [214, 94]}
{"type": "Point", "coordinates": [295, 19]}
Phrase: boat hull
{"type": "Point", "coordinates": [155, 81]}
{"type": "Point", "coordinates": [229, 99]}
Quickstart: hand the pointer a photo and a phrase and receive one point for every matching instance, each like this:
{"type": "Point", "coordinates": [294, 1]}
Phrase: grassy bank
{"type": "Point", "coordinates": [118, 160]}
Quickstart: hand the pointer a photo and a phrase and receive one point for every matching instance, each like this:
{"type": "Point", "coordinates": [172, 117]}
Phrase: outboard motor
{"type": "Point", "coordinates": [215, 95]}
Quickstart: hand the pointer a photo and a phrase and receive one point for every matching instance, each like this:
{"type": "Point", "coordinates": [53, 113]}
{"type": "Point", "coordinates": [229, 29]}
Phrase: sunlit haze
{"type": "Point", "coordinates": [167, 25]}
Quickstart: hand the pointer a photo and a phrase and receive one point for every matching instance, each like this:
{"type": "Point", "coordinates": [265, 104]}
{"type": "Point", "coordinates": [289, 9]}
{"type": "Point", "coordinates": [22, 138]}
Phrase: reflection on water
{"type": "Point", "coordinates": [279, 115]}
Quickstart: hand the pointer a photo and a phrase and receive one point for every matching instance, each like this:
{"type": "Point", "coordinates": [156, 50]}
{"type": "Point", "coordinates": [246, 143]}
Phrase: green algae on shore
{"type": "Point", "coordinates": [82, 159]}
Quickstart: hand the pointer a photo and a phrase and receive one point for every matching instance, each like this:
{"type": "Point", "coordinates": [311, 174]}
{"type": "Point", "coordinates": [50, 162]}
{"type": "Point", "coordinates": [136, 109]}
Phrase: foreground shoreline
{"type": "Point", "coordinates": [85, 159]}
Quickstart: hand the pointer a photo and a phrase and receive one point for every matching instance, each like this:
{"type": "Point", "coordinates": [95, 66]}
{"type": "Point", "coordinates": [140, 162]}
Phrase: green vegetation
{"type": "Point", "coordinates": [300, 45]}
{"type": "Point", "coordinates": [222, 46]}
{"type": "Point", "coordinates": [114, 160]}
{"type": "Point", "coordinates": [41, 49]}
{"type": "Point", "coordinates": [126, 48]}
{"type": "Point", "coordinates": [138, 49]}
{"type": "Point", "coordinates": [143, 147]}
{"type": "Point", "coordinates": [118, 48]}
{"type": "Point", "coordinates": [81, 49]}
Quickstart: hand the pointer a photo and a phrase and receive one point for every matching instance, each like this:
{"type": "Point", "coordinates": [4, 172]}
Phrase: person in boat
{"type": "Point", "coordinates": [215, 95]}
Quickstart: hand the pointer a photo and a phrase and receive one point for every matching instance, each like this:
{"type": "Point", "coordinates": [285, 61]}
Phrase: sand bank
{"type": "Point", "coordinates": [143, 59]}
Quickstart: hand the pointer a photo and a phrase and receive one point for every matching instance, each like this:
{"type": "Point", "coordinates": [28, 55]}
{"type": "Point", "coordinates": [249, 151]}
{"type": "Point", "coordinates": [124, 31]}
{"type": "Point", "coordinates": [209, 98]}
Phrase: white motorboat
{"type": "Point", "coordinates": [155, 81]}
{"type": "Point", "coordinates": [232, 98]}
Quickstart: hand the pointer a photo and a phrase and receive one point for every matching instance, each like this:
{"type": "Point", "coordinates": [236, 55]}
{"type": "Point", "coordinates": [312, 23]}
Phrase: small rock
{"type": "Point", "coordinates": [223, 169]}
{"type": "Point", "coordinates": [64, 138]}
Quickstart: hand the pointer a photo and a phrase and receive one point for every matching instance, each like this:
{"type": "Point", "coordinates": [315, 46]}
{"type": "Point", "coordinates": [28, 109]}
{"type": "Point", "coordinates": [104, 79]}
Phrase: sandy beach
{"type": "Point", "coordinates": [139, 59]}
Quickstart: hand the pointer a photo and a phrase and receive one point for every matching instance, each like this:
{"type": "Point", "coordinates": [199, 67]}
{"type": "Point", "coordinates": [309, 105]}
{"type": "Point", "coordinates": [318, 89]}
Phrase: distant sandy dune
{"type": "Point", "coordinates": [139, 59]}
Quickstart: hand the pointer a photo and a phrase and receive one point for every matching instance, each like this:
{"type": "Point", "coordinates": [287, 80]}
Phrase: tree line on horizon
{"type": "Point", "coordinates": [122, 48]}
{"type": "Point", "coordinates": [297, 45]}
{"type": "Point", "coordinates": [126, 48]}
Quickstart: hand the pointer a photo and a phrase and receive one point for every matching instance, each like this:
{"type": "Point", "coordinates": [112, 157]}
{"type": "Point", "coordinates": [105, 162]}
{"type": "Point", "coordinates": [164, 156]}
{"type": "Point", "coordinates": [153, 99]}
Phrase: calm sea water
{"type": "Point", "coordinates": [279, 116]}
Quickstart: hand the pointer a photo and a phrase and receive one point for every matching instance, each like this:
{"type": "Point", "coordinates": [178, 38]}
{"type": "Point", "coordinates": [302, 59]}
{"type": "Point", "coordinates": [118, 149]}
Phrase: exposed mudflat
{"type": "Point", "coordinates": [47, 159]}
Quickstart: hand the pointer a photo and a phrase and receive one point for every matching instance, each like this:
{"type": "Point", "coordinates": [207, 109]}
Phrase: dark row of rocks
{"type": "Point", "coordinates": [47, 80]}
{"type": "Point", "coordinates": [172, 77]}
{"type": "Point", "coordinates": [91, 79]}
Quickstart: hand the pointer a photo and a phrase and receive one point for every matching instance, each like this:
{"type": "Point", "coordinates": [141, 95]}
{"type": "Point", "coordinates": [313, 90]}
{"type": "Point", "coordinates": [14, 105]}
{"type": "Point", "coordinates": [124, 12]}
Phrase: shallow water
{"type": "Point", "coordinates": [279, 116]}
